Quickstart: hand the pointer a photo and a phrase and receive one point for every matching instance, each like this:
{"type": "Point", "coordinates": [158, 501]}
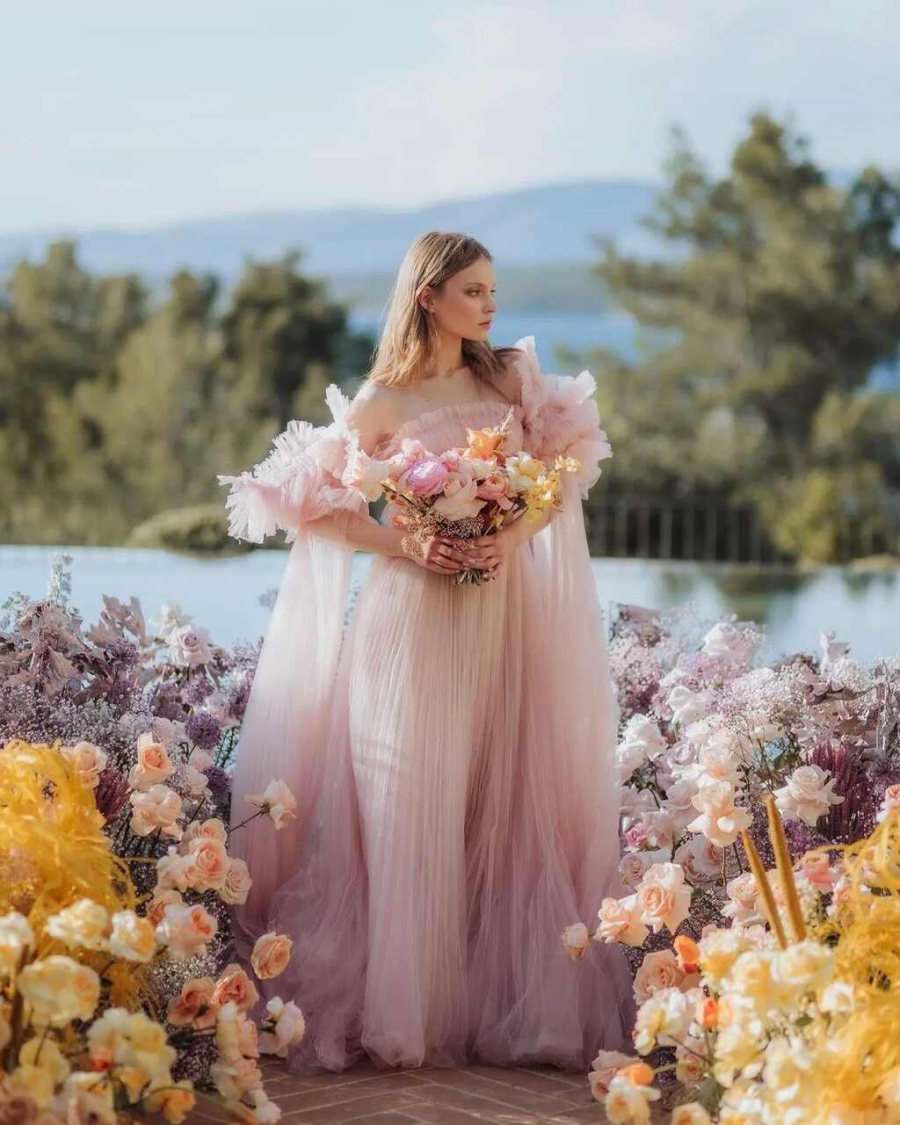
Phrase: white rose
{"type": "Point", "coordinates": [575, 940]}
{"type": "Point", "coordinates": [720, 820]}
{"type": "Point", "coordinates": [687, 706]}
{"type": "Point", "coordinates": [190, 646]}
{"type": "Point", "coordinates": [807, 794]}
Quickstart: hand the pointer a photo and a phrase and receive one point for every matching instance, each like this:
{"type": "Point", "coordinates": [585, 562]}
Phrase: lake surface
{"type": "Point", "coordinates": [223, 593]}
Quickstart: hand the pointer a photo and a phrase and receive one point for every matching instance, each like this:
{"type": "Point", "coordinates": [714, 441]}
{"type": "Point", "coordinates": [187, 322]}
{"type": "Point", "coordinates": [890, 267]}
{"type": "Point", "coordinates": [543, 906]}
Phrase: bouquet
{"type": "Point", "coordinates": [470, 491]}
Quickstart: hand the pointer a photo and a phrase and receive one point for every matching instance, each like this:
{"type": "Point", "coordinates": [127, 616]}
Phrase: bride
{"type": "Point", "coordinates": [450, 747]}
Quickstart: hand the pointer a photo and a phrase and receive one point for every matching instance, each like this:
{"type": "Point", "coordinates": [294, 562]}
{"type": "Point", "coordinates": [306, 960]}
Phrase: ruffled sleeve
{"type": "Point", "coordinates": [560, 416]}
{"type": "Point", "coordinates": [310, 472]}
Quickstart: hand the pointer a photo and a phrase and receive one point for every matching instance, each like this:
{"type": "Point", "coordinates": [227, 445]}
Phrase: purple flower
{"type": "Point", "coordinates": [203, 730]}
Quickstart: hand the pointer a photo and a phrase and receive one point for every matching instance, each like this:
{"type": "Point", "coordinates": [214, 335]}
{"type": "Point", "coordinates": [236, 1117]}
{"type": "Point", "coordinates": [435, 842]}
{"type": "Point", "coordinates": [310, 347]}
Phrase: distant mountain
{"type": "Point", "coordinates": [543, 225]}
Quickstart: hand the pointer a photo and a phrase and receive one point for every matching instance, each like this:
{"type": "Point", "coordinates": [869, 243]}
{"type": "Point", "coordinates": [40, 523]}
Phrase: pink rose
{"type": "Point", "coordinates": [426, 477]}
{"type": "Point", "coordinates": [186, 930]}
{"type": "Point", "coordinates": [234, 984]}
{"type": "Point", "coordinates": [493, 487]}
{"type": "Point", "coordinates": [193, 1005]}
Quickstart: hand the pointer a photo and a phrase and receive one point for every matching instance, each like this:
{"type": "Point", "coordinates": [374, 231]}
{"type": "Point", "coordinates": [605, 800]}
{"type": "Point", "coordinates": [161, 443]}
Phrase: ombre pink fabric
{"type": "Point", "coordinates": [452, 752]}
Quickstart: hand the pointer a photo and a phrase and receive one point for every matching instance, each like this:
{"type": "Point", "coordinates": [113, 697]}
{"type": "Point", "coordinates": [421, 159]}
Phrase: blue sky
{"type": "Point", "coordinates": [138, 114]}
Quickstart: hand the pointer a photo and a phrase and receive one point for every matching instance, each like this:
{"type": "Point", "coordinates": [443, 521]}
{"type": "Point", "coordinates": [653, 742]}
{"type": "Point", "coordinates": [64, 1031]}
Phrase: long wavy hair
{"type": "Point", "coordinates": [409, 341]}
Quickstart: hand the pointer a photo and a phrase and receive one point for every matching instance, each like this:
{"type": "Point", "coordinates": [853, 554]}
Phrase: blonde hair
{"type": "Point", "coordinates": [409, 340]}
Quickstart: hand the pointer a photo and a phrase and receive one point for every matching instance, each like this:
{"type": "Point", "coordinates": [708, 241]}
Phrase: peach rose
{"type": "Point", "coordinates": [159, 902]}
{"type": "Point", "coordinates": [87, 760]}
{"type": "Point", "coordinates": [234, 984]}
{"type": "Point", "coordinates": [153, 763]}
{"type": "Point", "coordinates": [237, 882]}
{"type": "Point", "coordinates": [660, 970]}
{"type": "Point", "coordinates": [270, 955]}
{"type": "Point", "coordinates": [210, 864]}
{"type": "Point", "coordinates": [159, 807]}
{"type": "Point", "coordinates": [663, 898]}
{"type": "Point", "coordinates": [193, 1005]}
{"type": "Point", "coordinates": [619, 921]}
{"type": "Point", "coordinates": [186, 930]}
{"type": "Point", "coordinates": [604, 1068]}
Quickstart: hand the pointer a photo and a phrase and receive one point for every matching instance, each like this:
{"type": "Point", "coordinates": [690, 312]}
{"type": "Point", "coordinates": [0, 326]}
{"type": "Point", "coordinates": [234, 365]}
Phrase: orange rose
{"type": "Point", "coordinates": [707, 1012]}
{"type": "Point", "coordinates": [638, 1074]}
{"type": "Point", "coordinates": [688, 952]}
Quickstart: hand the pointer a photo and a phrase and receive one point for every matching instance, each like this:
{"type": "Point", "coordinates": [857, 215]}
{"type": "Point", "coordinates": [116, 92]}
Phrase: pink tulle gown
{"type": "Point", "coordinates": [451, 749]}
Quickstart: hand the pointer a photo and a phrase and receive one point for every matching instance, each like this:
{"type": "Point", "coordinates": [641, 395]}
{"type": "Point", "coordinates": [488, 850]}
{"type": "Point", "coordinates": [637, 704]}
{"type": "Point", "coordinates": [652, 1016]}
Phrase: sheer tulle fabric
{"type": "Point", "coordinates": [452, 752]}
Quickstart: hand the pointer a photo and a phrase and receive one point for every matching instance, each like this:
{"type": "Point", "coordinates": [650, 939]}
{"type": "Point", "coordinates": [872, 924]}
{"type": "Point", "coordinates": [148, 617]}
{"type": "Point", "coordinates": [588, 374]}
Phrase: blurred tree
{"type": "Point", "coordinates": [60, 328]}
{"type": "Point", "coordinates": [787, 296]}
{"type": "Point", "coordinates": [110, 412]}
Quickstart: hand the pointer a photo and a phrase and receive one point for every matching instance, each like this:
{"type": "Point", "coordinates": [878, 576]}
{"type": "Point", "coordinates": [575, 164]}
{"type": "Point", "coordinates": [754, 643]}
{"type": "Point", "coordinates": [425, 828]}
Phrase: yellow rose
{"type": "Point", "coordinates": [84, 924]}
{"type": "Point", "coordinates": [175, 1101]}
{"type": "Point", "coordinates": [47, 1056]}
{"type": "Point", "coordinates": [132, 937]}
{"type": "Point", "coordinates": [59, 990]}
{"type": "Point", "coordinates": [31, 1082]}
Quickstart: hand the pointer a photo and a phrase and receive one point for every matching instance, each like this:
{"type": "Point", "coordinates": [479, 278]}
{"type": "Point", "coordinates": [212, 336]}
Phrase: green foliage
{"type": "Point", "coordinates": [785, 296]}
{"type": "Point", "coordinates": [112, 411]}
{"type": "Point", "coordinates": [196, 528]}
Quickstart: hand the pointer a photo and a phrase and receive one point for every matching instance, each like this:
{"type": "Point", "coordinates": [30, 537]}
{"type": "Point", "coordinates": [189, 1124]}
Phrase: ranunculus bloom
{"type": "Point", "coordinates": [426, 477]}
{"type": "Point", "coordinates": [493, 486]}
{"type": "Point", "coordinates": [807, 794]}
{"type": "Point", "coordinates": [270, 955]}
{"type": "Point", "coordinates": [459, 499]}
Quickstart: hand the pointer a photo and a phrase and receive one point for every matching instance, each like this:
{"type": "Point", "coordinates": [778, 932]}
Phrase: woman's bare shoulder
{"type": "Point", "coordinates": [374, 411]}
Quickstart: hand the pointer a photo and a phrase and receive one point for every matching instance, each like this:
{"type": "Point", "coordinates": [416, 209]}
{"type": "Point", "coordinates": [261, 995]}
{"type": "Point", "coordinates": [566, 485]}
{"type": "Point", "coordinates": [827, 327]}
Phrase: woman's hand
{"type": "Point", "coordinates": [441, 555]}
{"type": "Point", "coordinates": [490, 552]}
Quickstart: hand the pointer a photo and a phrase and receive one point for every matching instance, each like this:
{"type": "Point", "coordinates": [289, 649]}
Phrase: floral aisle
{"type": "Point", "coordinates": [761, 848]}
{"type": "Point", "coordinates": [117, 997]}
{"type": "Point", "coordinates": [765, 958]}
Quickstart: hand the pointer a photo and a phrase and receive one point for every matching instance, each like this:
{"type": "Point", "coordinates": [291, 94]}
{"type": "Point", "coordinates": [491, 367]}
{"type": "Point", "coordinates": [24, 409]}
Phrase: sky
{"type": "Point", "coordinates": [138, 114]}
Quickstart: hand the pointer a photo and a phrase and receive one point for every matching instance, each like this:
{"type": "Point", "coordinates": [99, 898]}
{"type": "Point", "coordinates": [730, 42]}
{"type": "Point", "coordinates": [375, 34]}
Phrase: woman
{"type": "Point", "coordinates": [452, 748]}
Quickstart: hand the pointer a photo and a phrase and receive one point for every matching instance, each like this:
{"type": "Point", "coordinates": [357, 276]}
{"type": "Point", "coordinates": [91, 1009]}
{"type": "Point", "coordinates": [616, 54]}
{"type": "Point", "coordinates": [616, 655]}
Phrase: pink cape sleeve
{"type": "Point", "coordinates": [560, 416]}
{"type": "Point", "coordinates": [309, 473]}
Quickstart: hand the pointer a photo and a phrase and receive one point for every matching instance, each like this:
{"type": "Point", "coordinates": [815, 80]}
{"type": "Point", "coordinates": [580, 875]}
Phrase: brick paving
{"type": "Point", "coordinates": [426, 1096]}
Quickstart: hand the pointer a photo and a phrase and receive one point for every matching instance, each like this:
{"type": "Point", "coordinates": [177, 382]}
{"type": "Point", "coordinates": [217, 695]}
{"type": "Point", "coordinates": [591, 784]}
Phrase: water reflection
{"type": "Point", "coordinates": [223, 593]}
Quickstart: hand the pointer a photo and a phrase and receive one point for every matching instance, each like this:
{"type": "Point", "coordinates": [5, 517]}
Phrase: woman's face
{"type": "Point", "coordinates": [464, 305]}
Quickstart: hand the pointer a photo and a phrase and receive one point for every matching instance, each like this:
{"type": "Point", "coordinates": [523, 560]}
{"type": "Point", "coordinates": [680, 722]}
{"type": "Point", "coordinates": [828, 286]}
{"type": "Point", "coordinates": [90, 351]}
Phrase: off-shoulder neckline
{"type": "Point", "coordinates": [429, 415]}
